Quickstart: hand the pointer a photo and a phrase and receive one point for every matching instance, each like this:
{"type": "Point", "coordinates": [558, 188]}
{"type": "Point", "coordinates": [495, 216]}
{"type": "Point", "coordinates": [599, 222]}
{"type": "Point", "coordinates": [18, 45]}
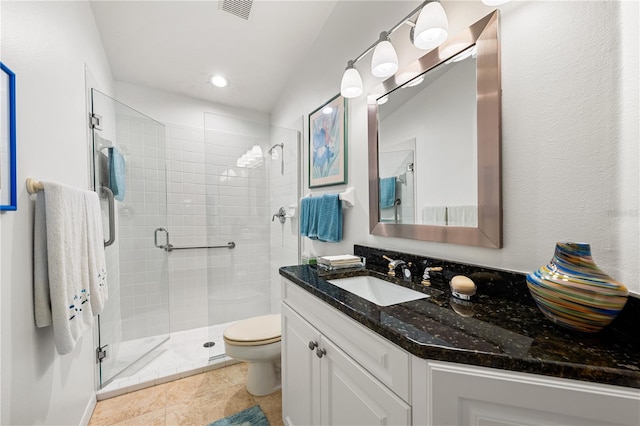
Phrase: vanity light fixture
{"type": "Point", "coordinates": [432, 27]}
{"type": "Point", "coordinates": [384, 62]}
{"type": "Point", "coordinates": [219, 80]}
{"type": "Point", "coordinates": [351, 85]}
{"type": "Point", "coordinates": [428, 31]}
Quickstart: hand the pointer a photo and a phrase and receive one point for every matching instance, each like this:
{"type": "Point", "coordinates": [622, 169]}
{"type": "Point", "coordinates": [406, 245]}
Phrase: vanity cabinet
{"type": "Point", "coordinates": [361, 378]}
{"type": "Point", "coordinates": [458, 394]}
{"type": "Point", "coordinates": [322, 383]}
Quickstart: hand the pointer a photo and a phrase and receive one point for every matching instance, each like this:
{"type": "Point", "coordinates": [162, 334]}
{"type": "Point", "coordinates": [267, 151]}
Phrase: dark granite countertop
{"type": "Point", "coordinates": [500, 328]}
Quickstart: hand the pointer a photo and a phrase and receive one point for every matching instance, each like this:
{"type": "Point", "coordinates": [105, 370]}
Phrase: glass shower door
{"type": "Point", "coordinates": [129, 159]}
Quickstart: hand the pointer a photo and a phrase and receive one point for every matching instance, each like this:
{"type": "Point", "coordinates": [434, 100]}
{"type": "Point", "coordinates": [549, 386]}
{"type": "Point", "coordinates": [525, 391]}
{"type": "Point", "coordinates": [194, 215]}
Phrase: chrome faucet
{"type": "Point", "coordinates": [393, 265]}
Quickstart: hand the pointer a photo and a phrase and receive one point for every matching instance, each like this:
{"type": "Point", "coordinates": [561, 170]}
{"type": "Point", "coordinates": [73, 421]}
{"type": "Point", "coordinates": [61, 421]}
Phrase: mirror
{"type": "Point", "coordinates": [434, 144]}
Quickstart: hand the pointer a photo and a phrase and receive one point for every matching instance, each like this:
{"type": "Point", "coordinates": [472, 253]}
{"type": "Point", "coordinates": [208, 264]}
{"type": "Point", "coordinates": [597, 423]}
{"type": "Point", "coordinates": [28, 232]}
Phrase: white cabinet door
{"type": "Point", "coordinates": [300, 371]}
{"type": "Point", "coordinates": [463, 395]}
{"type": "Point", "coordinates": [351, 396]}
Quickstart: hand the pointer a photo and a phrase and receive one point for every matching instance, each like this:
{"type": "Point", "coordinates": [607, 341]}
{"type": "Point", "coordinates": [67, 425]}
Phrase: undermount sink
{"type": "Point", "coordinates": [377, 291]}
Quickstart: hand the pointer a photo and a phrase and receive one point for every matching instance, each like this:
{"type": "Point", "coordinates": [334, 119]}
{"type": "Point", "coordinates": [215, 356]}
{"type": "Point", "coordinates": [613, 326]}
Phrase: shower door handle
{"type": "Point", "coordinates": [112, 216]}
{"type": "Point", "coordinates": [155, 238]}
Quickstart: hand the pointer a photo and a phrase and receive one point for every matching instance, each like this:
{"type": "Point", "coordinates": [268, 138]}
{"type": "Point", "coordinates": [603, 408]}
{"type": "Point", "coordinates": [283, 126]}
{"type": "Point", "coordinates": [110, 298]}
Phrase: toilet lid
{"type": "Point", "coordinates": [260, 330]}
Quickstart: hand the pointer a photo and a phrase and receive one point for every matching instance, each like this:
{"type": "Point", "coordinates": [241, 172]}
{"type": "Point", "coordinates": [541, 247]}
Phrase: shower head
{"type": "Point", "coordinates": [281, 145]}
{"type": "Point", "coordinates": [274, 155]}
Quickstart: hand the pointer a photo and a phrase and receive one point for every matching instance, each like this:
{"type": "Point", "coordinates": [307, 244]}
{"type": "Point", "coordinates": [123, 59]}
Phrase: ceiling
{"type": "Point", "coordinates": [177, 45]}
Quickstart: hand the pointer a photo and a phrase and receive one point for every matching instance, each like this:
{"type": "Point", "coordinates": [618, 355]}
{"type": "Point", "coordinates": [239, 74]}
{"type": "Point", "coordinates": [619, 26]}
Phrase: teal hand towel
{"type": "Point", "coordinates": [308, 217]}
{"type": "Point", "coordinates": [330, 218]}
{"type": "Point", "coordinates": [312, 231]}
{"type": "Point", "coordinates": [387, 192]}
{"type": "Point", "coordinates": [117, 173]}
{"type": "Point", "coordinates": [305, 207]}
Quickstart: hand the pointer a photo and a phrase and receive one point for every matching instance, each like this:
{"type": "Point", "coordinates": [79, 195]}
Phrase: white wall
{"type": "Point", "coordinates": [570, 127]}
{"type": "Point", "coordinates": [47, 45]}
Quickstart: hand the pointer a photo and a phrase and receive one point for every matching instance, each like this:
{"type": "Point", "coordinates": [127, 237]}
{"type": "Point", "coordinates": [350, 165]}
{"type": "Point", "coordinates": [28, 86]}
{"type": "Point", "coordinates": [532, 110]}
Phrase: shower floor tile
{"type": "Point", "coordinates": [181, 356]}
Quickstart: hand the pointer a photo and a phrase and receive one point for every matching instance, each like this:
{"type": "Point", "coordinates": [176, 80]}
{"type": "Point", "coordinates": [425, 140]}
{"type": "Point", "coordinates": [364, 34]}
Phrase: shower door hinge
{"type": "Point", "coordinates": [101, 353]}
{"type": "Point", "coordinates": [94, 121]}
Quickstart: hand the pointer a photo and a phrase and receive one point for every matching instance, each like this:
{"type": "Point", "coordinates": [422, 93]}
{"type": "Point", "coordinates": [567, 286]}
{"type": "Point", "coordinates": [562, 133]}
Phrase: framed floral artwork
{"type": "Point", "coordinates": [328, 144]}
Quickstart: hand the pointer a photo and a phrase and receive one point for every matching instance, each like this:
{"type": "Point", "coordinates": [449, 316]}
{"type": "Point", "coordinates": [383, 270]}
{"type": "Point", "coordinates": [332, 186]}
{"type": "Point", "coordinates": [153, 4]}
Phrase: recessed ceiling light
{"type": "Point", "coordinates": [219, 80]}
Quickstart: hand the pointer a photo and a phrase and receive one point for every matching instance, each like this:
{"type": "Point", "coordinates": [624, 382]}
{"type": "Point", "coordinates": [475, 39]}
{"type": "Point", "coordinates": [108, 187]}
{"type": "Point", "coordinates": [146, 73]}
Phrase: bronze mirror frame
{"type": "Point", "coordinates": [488, 233]}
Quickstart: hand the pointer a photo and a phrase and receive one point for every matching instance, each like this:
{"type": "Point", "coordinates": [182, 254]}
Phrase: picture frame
{"type": "Point", "coordinates": [8, 175]}
{"type": "Point", "coordinates": [328, 143]}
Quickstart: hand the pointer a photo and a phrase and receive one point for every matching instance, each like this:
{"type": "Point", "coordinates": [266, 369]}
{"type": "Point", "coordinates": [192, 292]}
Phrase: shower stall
{"type": "Point", "coordinates": [195, 245]}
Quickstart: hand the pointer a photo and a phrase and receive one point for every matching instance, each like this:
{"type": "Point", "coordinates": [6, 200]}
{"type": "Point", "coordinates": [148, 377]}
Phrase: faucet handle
{"type": "Point", "coordinates": [391, 265]}
{"type": "Point", "coordinates": [426, 277]}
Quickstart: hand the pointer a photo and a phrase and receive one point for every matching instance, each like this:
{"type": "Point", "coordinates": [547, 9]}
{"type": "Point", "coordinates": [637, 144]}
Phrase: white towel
{"type": "Point", "coordinates": [463, 216]}
{"type": "Point", "coordinates": [434, 215]}
{"type": "Point", "coordinates": [95, 254]}
{"type": "Point", "coordinates": [42, 300]}
{"type": "Point", "coordinates": [65, 274]}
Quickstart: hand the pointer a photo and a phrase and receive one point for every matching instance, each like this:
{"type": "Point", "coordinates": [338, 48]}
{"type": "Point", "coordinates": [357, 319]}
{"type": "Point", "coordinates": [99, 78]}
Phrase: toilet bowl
{"type": "Point", "coordinates": [257, 341]}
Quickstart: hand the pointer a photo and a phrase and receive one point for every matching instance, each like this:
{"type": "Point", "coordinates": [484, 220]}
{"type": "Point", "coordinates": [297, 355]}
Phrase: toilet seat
{"type": "Point", "coordinates": [255, 331]}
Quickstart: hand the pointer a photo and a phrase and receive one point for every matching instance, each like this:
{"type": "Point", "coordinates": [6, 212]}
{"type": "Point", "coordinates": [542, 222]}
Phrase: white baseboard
{"type": "Point", "coordinates": [88, 411]}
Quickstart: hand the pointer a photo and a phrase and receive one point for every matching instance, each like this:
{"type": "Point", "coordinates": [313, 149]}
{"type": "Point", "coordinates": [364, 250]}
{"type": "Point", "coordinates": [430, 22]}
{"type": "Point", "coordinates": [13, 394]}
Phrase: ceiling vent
{"type": "Point", "coordinates": [240, 8]}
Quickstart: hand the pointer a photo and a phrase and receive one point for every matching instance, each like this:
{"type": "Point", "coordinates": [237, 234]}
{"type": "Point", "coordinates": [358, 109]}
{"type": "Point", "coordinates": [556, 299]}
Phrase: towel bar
{"type": "Point", "coordinates": [33, 185]}
{"type": "Point", "coordinates": [348, 196]}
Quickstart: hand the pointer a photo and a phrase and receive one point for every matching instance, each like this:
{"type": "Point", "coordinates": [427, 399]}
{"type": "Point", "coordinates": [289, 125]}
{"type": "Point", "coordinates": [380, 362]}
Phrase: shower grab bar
{"type": "Point", "coordinates": [168, 247]}
{"type": "Point", "coordinates": [34, 186]}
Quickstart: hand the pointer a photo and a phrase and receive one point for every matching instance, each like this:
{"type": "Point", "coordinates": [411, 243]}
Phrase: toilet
{"type": "Point", "coordinates": [257, 341]}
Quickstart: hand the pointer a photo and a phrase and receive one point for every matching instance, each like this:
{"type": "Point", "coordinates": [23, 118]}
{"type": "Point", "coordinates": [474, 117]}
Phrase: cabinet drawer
{"type": "Point", "coordinates": [387, 362]}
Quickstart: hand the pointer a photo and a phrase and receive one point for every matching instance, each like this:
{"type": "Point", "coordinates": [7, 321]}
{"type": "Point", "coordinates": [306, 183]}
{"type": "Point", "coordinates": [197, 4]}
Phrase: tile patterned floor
{"type": "Point", "coordinates": [196, 400]}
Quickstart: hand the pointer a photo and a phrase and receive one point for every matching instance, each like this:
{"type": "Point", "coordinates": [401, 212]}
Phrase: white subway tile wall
{"type": "Point", "coordinates": [237, 210]}
{"type": "Point", "coordinates": [144, 280]}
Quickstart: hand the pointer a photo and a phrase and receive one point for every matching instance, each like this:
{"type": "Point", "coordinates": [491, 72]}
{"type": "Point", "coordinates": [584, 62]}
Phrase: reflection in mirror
{"type": "Point", "coordinates": [441, 115]}
{"type": "Point", "coordinates": [397, 182]}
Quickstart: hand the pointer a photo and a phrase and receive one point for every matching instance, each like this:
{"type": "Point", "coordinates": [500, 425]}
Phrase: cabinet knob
{"type": "Point", "coordinates": [313, 345]}
{"type": "Point", "coordinates": [320, 352]}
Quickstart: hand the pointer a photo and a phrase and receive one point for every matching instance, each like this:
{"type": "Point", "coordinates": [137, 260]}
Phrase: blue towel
{"type": "Point", "coordinates": [305, 212]}
{"type": "Point", "coordinates": [329, 218]}
{"type": "Point", "coordinates": [387, 192]}
{"type": "Point", "coordinates": [309, 217]}
{"type": "Point", "coordinates": [117, 182]}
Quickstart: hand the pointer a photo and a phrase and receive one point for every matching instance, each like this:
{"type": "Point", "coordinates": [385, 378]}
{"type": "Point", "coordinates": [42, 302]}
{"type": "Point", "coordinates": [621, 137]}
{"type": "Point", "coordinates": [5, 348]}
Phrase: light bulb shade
{"type": "Point", "coordinates": [384, 62]}
{"type": "Point", "coordinates": [256, 151]}
{"type": "Point", "coordinates": [432, 27]}
{"type": "Point", "coordinates": [351, 85]}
